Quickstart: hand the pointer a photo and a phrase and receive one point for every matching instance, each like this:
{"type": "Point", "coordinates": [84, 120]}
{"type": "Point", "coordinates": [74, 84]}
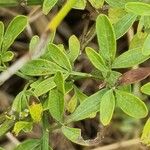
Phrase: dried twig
{"type": "Point", "coordinates": [119, 145]}
{"type": "Point", "coordinates": [13, 139]}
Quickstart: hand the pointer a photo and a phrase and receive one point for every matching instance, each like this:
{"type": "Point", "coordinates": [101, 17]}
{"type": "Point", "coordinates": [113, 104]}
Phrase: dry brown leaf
{"type": "Point", "coordinates": [134, 75]}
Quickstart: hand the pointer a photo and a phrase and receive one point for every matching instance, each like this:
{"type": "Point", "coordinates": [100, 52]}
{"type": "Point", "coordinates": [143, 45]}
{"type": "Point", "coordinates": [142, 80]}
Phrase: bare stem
{"type": "Point", "coordinates": [13, 139]}
{"type": "Point", "coordinates": [119, 145]}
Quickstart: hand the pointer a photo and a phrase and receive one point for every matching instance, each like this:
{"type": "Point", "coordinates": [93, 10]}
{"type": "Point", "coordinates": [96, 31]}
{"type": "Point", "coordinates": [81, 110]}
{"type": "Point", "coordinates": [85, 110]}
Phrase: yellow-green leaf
{"type": "Point", "coordinates": [22, 126]}
{"type": "Point", "coordinates": [1, 33]}
{"type": "Point", "coordinates": [36, 111]}
{"type": "Point", "coordinates": [7, 56]}
{"type": "Point", "coordinates": [48, 5]}
{"type": "Point", "coordinates": [146, 133]}
{"type": "Point", "coordinates": [33, 43]}
{"type": "Point", "coordinates": [80, 4]}
{"type": "Point", "coordinates": [115, 14]}
{"type": "Point", "coordinates": [71, 106]}
{"type": "Point", "coordinates": [146, 88]}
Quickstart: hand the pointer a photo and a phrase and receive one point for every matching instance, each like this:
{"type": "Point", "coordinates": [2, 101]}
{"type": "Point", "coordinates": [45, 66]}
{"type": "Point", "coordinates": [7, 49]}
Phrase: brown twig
{"type": "Point", "coordinates": [119, 145]}
{"type": "Point", "coordinates": [13, 139]}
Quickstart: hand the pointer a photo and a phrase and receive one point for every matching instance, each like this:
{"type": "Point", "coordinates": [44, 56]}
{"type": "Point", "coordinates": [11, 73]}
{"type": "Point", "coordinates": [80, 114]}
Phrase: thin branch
{"type": "Point", "coordinates": [13, 139]}
{"type": "Point", "coordinates": [119, 145]}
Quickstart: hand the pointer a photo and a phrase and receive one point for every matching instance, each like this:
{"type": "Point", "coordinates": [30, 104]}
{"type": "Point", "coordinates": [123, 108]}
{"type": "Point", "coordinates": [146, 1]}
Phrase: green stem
{"type": "Point", "coordinates": [81, 75]}
{"type": "Point", "coordinates": [11, 3]}
{"type": "Point", "coordinates": [45, 136]}
{"type": "Point", "coordinates": [61, 15]}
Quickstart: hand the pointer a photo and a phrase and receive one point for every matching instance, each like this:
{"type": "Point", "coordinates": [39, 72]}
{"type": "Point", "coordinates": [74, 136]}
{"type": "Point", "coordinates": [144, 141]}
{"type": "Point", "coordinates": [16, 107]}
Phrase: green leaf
{"type": "Point", "coordinates": [36, 83]}
{"type": "Point", "coordinates": [59, 57]}
{"type": "Point", "coordinates": [30, 144]}
{"type": "Point", "coordinates": [45, 133]}
{"type": "Point", "coordinates": [146, 46]}
{"type": "Point", "coordinates": [74, 48]}
{"type": "Point", "coordinates": [107, 106]}
{"type": "Point", "coordinates": [113, 78]}
{"type": "Point", "coordinates": [36, 112]}
{"type": "Point", "coordinates": [7, 56]}
{"type": "Point", "coordinates": [80, 95]}
{"type": "Point", "coordinates": [44, 86]}
{"type": "Point", "coordinates": [16, 26]}
{"type": "Point", "coordinates": [1, 148]}
{"type": "Point", "coordinates": [130, 58]}
{"type": "Point", "coordinates": [138, 40]}
{"type": "Point", "coordinates": [127, 101]}
{"type": "Point", "coordinates": [33, 43]}
{"type": "Point", "coordinates": [146, 22]}
{"type": "Point", "coordinates": [115, 3]}
{"type": "Point", "coordinates": [6, 126]}
{"type": "Point", "coordinates": [40, 67]}
{"type": "Point", "coordinates": [41, 87]}
{"type": "Point", "coordinates": [126, 88]}
{"type": "Point", "coordinates": [106, 37]}
{"type": "Point", "coordinates": [48, 5]}
{"type": "Point", "coordinates": [1, 33]}
{"type": "Point", "coordinates": [97, 3]}
{"type": "Point", "coordinates": [22, 126]}
{"type": "Point", "coordinates": [74, 135]}
{"type": "Point", "coordinates": [80, 4]}
{"type": "Point", "coordinates": [87, 107]}
{"type": "Point", "coordinates": [71, 105]}
{"type": "Point", "coordinates": [146, 88]}
{"type": "Point", "coordinates": [68, 87]}
{"type": "Point", "coordinates": [56, 104]}
{"type": "Point", "coordinates": [20, 102]}
{"type": "Point", "coordinates": [115, 14]}
{"type": "Point", "coordinates": [96, 59]}
{"type": "Point", "coordinates": [146, 133]}
{"type": "Point", "coordinates": [59, 80]}
{"type": "Point", "coordinates": [138, 8]}
{"type": "Point", "coordinates": [123, 24]}
{"type": "Point", "coordinates": [140, 24]}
